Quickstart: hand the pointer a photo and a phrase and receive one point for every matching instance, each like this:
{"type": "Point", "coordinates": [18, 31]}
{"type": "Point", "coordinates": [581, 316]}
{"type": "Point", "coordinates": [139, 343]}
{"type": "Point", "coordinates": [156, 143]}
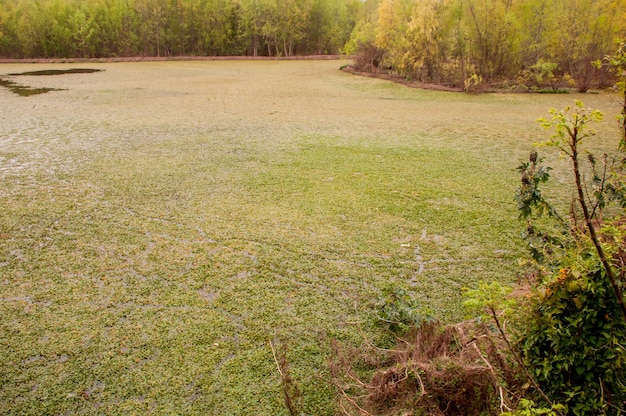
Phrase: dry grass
{"type": "Point", "coordinates": [434, 370]}
{"type": "Point", "coordinates": [161, 221]}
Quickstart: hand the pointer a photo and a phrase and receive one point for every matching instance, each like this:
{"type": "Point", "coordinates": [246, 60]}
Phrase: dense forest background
{"type": "Point", "coordinates": [443, 41]}
{"type": "Point", "coordinates": [112, 28]}
{"type": "Point", "coordinates": [526, 41]}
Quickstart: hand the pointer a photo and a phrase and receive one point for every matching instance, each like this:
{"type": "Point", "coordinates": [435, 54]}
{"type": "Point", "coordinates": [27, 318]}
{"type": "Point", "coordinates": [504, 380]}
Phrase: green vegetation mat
{"type": "Point", "coordinates": [161, 223]}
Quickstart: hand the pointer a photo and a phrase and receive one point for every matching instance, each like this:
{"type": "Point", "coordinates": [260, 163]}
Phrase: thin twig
{"type": "Point", "coordinates": [343, 409]}
{"type": "Point", "coordinates": [495, 377]}
{"type": "Point", "coordinates": [502, 404]}
{"type": "Point", "coordinates": [290, 389]}
{"type": "Point", "coordinates": [521, 363]}
{"type": "Point", "coordinates": [591, 228]}
{"type": "Point", "coordinates": [356, 379]}
{"type": "Point", "coordinates": [276, 360]}
{"type": "Point", "coordinates": [354, 403]}
{"type": "Point", "coordinates": [419, 380]}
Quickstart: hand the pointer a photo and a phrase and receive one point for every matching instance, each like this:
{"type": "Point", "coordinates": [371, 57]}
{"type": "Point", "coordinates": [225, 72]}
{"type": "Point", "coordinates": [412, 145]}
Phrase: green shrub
{"type": "Point", "coordinates": [399, 311]}
{"type": "Point", "coordinates": [529, 408]}
{"type": "Point", "coordinates": [575, 343]}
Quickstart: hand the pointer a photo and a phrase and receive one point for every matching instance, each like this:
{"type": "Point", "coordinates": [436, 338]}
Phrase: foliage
{"type": "Point", "coordinates": [543, 74]}
{"type": "Point", "coordinates": [111, 28]}
{"type": "Point", "coordinates": [570, 129]}
{"type": "Point", "coordinates": [488, 297]}
{"type": "Point", "coordinates": [493, 299]}
{"type": "Point", "coordinates": [367, 56]}
{"type": "Point", "coordinates": [531, 202]}
{"type": "Point", "coordinates": [399, 310]}
{"type": "Point", "coordinates": [528, 407]}
{"type": "Point", "coordinates": [617, 63]}
{"type": "Point", "coordinates": [446, 41]}
{"type": "Point", "coordinates": [528, 195]}
{"type": "Point", "coordinates": [574, 343]}
{"type": "Point", "coordinates": [474, 83]}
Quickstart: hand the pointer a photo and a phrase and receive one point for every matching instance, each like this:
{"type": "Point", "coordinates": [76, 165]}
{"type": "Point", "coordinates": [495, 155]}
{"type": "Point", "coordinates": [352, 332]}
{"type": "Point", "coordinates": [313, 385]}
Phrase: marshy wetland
{"type": "Point", "coordinates": [162, 222]}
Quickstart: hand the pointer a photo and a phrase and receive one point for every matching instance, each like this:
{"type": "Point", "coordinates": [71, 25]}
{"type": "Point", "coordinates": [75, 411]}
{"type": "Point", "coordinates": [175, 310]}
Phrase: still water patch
{"type": "Point", "coordinates": [27, 91]}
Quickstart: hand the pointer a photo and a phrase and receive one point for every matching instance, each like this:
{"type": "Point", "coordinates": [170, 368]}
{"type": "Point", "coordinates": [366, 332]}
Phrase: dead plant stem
{"type": "Point", "coordinates": [495, 377]}
{"type": "Point", "coordinates": [352, 401]}
{"type": "Point", "coordinates": [276, 359]}
{"type": "Point", "coordinates": [588, 221]}
{"type": "Point", "coordinates": [286, 381]}
{"type": "Point", "coordinates": [520, 362]}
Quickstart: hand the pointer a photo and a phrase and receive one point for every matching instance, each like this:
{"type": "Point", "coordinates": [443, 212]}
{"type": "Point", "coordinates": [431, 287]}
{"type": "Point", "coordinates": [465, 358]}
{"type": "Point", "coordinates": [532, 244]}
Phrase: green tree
{"type": "Point", "coordinates": [585, 33]}
{"type": "Point", "coordinates": [73, 28]}
{"type": "Point", "coordinates": [391, 29]}
{"type": "Point", "coordinates": [254, 15]}
{"type": "Point", "coordinates": [494, 45]}
{"type": "Point", "coordinates": [430, 41]}
{"type": "Point", "coordinates": [83, 33]}
{"type": "Point", "coordinates": [617, 64]}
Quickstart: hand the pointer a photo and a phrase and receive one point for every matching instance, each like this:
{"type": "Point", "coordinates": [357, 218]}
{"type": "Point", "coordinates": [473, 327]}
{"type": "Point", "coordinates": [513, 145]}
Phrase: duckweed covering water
{"type": "Point", "coordinates": [160, 223]}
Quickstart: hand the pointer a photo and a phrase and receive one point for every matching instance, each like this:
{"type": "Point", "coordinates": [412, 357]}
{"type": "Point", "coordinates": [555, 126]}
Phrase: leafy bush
{"type": "Point", "coordinates": [529, 408]}
{"type": "Point", "coordinates": [399, 311]}
{"type": "Point", "coordinates": [474, 84]}
{"type": "Point", "coordinates": [540, 75]}
{"type": "Point", "coordinates": [574, 344]}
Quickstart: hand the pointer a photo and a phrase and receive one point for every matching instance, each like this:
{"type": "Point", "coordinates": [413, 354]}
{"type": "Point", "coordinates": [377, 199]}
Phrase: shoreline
{"type": "Point", "coordinates": [167, 58]}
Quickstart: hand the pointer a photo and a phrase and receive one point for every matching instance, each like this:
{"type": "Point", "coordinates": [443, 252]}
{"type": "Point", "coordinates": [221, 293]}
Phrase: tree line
{"type": "Point", "coordinates": [111, 28]}
{"type": "Point", "coordinates": [455, 41]}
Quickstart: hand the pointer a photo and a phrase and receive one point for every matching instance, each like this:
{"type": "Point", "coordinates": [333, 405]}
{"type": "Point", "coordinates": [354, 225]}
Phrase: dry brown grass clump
{"type": "Point", "coordinates": [453, 370]}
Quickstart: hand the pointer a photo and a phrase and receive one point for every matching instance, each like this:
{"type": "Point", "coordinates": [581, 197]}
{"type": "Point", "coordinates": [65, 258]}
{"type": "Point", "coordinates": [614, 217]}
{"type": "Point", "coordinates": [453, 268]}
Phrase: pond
{"type": "Point", "coordinates": [162, 222]}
